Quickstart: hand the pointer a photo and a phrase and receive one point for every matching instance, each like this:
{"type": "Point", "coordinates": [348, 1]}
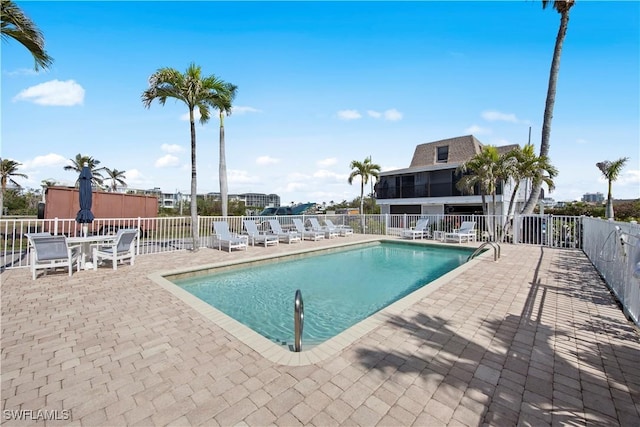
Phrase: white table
{"type": "Point", "coordinates": [438, 235]}
{"type": "Point", "coordinates": [85, 247]}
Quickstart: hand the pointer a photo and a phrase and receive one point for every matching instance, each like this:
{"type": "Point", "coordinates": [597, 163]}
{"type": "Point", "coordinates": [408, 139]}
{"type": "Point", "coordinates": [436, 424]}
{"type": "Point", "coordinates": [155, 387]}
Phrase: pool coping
{"type": "Point", "coordinates": [277, 353]}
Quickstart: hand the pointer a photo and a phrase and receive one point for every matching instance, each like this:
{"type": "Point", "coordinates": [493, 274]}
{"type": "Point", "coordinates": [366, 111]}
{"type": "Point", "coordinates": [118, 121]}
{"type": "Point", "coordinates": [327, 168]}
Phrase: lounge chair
{"type": "Point", "coordinates": [224, 238]}
{"type": "Point", "coordinates": [52, 252]}
{"type": "Point", "coordinates": [120, 250]}
{"type": "Point", "coordinates": [329, 233]}
{"type": "Point", "coordinates": [258, 236]}
{"type": "Point", "coordinates": [284, 236]}
{"type": "Point", "coordinates": [465, 232]}
{"type": "Point", "coordinates": [420, 230]}
{"type": "Point", "coordinates": [342, 229]}
{"type": "Point", "coordinates": [307, 234]}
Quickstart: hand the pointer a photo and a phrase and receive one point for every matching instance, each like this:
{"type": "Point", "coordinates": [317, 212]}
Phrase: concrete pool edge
{"type": "Point", "coordinates": [277, 353]}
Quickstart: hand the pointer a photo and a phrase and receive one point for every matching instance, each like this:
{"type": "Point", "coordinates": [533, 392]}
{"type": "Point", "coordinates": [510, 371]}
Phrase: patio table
{"type": "Point", "coordinates": [85, 243]}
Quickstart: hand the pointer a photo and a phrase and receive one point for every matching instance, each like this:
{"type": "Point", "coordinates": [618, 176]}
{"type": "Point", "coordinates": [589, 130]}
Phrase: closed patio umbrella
{"type": "Point", "coordinates": [85, 216]}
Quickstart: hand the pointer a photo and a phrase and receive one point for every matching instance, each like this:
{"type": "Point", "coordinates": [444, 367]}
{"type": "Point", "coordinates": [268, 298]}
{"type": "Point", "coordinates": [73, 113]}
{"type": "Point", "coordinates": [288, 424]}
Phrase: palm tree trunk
{"type": "Point", "coordinates": [362, 202]}
{"type": "Point", "coordinates": [548, 110]}
{"type": "Point", "coordinates": [194, 185]}
{"type": "Point", "coordinates": [609, 208]}
{"type": "Point", "coordinates": [223, 170]}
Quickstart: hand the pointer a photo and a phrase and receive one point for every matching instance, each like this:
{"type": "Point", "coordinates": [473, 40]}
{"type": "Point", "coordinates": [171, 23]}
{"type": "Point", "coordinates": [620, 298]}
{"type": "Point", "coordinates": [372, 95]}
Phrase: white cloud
{"type": "Point", "coordinates": [497, 116]}
{"type": "Point", "coordinates": [241, 177]}
{"type": "Point", "coordinates": [167, 161]}
{"type": "Point", "coordinates": [477, 130]}
{"type": "Point", "coordinates": [631, 177]}
{"type": "Point", "coordinates": [294, 186]}
{"type": "Point", "coordinates": [327, 162]}
{"type": "Point", "coordinates": [22, 72]}
{"type": "Point", "coordinates": [53, 93]}
{"type": "Point", "coordinates": [172, 148]}
{"type": "Point", "coordinates": [325, 174]}
{"type": "Point", "coordinates": [349, 115]}
{"type": "Point", "coordinates": [392, 115]}
{"type": "Point", "coordinates": [244, 110]}
{"type": "Point", "coordinates": [47, 160]}
{"type": "Point", "coordinates": [267, 160]}
{"type": "Point", "coordinates": [581, 141]}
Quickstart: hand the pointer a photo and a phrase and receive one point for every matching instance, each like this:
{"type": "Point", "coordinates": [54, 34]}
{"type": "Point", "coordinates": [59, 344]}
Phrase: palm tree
{"type": "Point", "coordinates": [483, 171]}
{"type": "Point", "coordinates": [224, 105]}
{"type": "Point", "coordinates": [195, 91]}
{"type": "Point", "coordinates": [16, 25]}
{"type": "Point", "coordinates": [611, 172]}
{"type": "Point", "coordinates": [116, 177]}
{"type": "Point", "coordinates": [8, 171]}
{"type": "Point", "coordinates": [562, 7]}
{"type": "Point", "coordinates": [365, 170]}
{"type": "Point", "coordinates": [78, 163]}
{"type": "Point", "coordinates": [527, 165]}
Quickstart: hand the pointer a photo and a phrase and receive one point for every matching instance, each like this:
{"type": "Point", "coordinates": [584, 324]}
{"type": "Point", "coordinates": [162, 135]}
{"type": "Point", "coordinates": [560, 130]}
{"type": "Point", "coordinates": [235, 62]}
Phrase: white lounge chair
{"type": "Point", "coordinates": [224, 238]}
{"type": "Point", "coordinates": [284, 236]}
{"type": "Point", "coordinates": [344, 230]}
{"type": "Point", "coordinates": [467, 231]}
{"type": "Point", "coordinates": [120, 250]}
{"type": "Point", "coordinates": [258, 236]}
{"type": "Point", "coordinates": [307, 234]}
{"type": "Point", "coordinates": [420, 230]}
{"type": "Point", "coordinates": [329, 233]}
{"type": "Point", "coordinates": [52, 252]}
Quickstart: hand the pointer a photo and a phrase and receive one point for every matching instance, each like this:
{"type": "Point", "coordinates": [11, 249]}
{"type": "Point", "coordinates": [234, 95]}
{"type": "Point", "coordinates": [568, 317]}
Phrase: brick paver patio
{"type": "Point", "coordinates": [534, 339]}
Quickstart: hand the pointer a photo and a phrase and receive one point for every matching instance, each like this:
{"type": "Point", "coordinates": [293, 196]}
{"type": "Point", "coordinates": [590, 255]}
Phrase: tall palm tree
{"type": "Point", "coordinates": [562, 7]}
{"type": "Point", "coordinates": [8, 171]}
{"type": "Point", "coordinates": [16, 25]}
{"type": "Point", "coordinates": [116, 177]}
{"type": "Point", "coordinates": [223, 103]}
{"type": "Point", "coordinates": [365, 170]}
{"type": "Point", "coordinates": [611, 171]}
{"type": "Point", "coordinates": [78, 163]}
{"type": "Point", "coordinates": [196, 91]}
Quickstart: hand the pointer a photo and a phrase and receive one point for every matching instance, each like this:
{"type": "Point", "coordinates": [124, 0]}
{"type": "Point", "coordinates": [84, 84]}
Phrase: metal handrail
{"type": "Point", "coordinates": [298, 321]}
{"type": "Point", "coordinates": [494, 245]}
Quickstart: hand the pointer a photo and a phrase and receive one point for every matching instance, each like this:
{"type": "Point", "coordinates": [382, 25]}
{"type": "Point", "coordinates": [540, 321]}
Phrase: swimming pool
{"type": "Point", "coordinates": [340, 288]}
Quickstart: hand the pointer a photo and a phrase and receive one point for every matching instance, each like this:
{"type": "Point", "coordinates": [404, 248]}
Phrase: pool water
{"type": "Point", "coordinates": [339, 289]}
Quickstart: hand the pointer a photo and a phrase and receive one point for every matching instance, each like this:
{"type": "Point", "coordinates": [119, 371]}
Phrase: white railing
{"type": "Point", "coordinates": [614, 249]}
{"type": "Point", "coordinates": [166, 234]}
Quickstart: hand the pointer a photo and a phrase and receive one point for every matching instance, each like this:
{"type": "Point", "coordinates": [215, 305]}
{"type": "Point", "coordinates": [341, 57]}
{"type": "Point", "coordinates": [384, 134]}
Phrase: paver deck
{"type": "Point", "coordinates": [533, 339]}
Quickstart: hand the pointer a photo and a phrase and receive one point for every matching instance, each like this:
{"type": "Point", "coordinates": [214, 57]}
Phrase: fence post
{"type": "Point", "coordinates": [386, 224]}
{"type": "Point", "coordinates": [55, 226]}
{"type": "Point", "coordinates": [139, 236]}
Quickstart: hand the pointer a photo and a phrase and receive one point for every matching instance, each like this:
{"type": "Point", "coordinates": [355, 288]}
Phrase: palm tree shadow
{"type": "Point", "coordinates": [523, 368]}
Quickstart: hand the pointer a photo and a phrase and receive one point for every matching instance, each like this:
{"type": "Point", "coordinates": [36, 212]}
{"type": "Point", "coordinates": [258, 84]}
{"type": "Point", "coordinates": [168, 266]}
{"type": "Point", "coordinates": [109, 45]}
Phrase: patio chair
{"type": "Point", "coordinates": [329, 233]}
{"type": "Point", "coordinates": [225, 238]}
{"type": "Point", "coordinates": [256, 235]}
{"type": "Point", "coordinates": [52, 252]}
{"type": "Point", "coordinates": [420, 230]}
{"type": "Point", "coordinates": [284, 236]}
{"type": "Point", "coordinates": [467, 231]}
{"type": "Point", "coordinates": [344, 230]}
{"type": "Point", "coordinates": [120, 250]}
{"type": "Point", "coordinates": [307, 234]}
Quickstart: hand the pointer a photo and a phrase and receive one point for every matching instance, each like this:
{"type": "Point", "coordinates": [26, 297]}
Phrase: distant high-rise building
{"type": "Point", "coordinates": [593, 198]}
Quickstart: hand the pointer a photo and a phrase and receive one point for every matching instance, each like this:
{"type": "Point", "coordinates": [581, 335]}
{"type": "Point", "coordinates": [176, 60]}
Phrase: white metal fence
{"type": "Point", "coordinates": [614, 249]}
{"type": "Point", "coordinates": [168, 234]}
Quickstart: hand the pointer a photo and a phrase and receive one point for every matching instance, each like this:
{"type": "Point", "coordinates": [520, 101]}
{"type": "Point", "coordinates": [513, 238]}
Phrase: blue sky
{"type": "Point", "coordinates": [319, 85]}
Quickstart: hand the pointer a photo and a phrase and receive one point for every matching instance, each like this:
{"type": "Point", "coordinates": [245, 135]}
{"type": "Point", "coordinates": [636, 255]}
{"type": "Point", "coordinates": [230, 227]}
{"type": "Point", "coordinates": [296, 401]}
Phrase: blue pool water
{"type": "Point", "coordinates": [339, 289]}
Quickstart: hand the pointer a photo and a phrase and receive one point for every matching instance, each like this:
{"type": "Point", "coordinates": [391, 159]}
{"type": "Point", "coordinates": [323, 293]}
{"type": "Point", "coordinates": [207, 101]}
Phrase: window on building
{"type": "Point", "coordinates": [443, 154]}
